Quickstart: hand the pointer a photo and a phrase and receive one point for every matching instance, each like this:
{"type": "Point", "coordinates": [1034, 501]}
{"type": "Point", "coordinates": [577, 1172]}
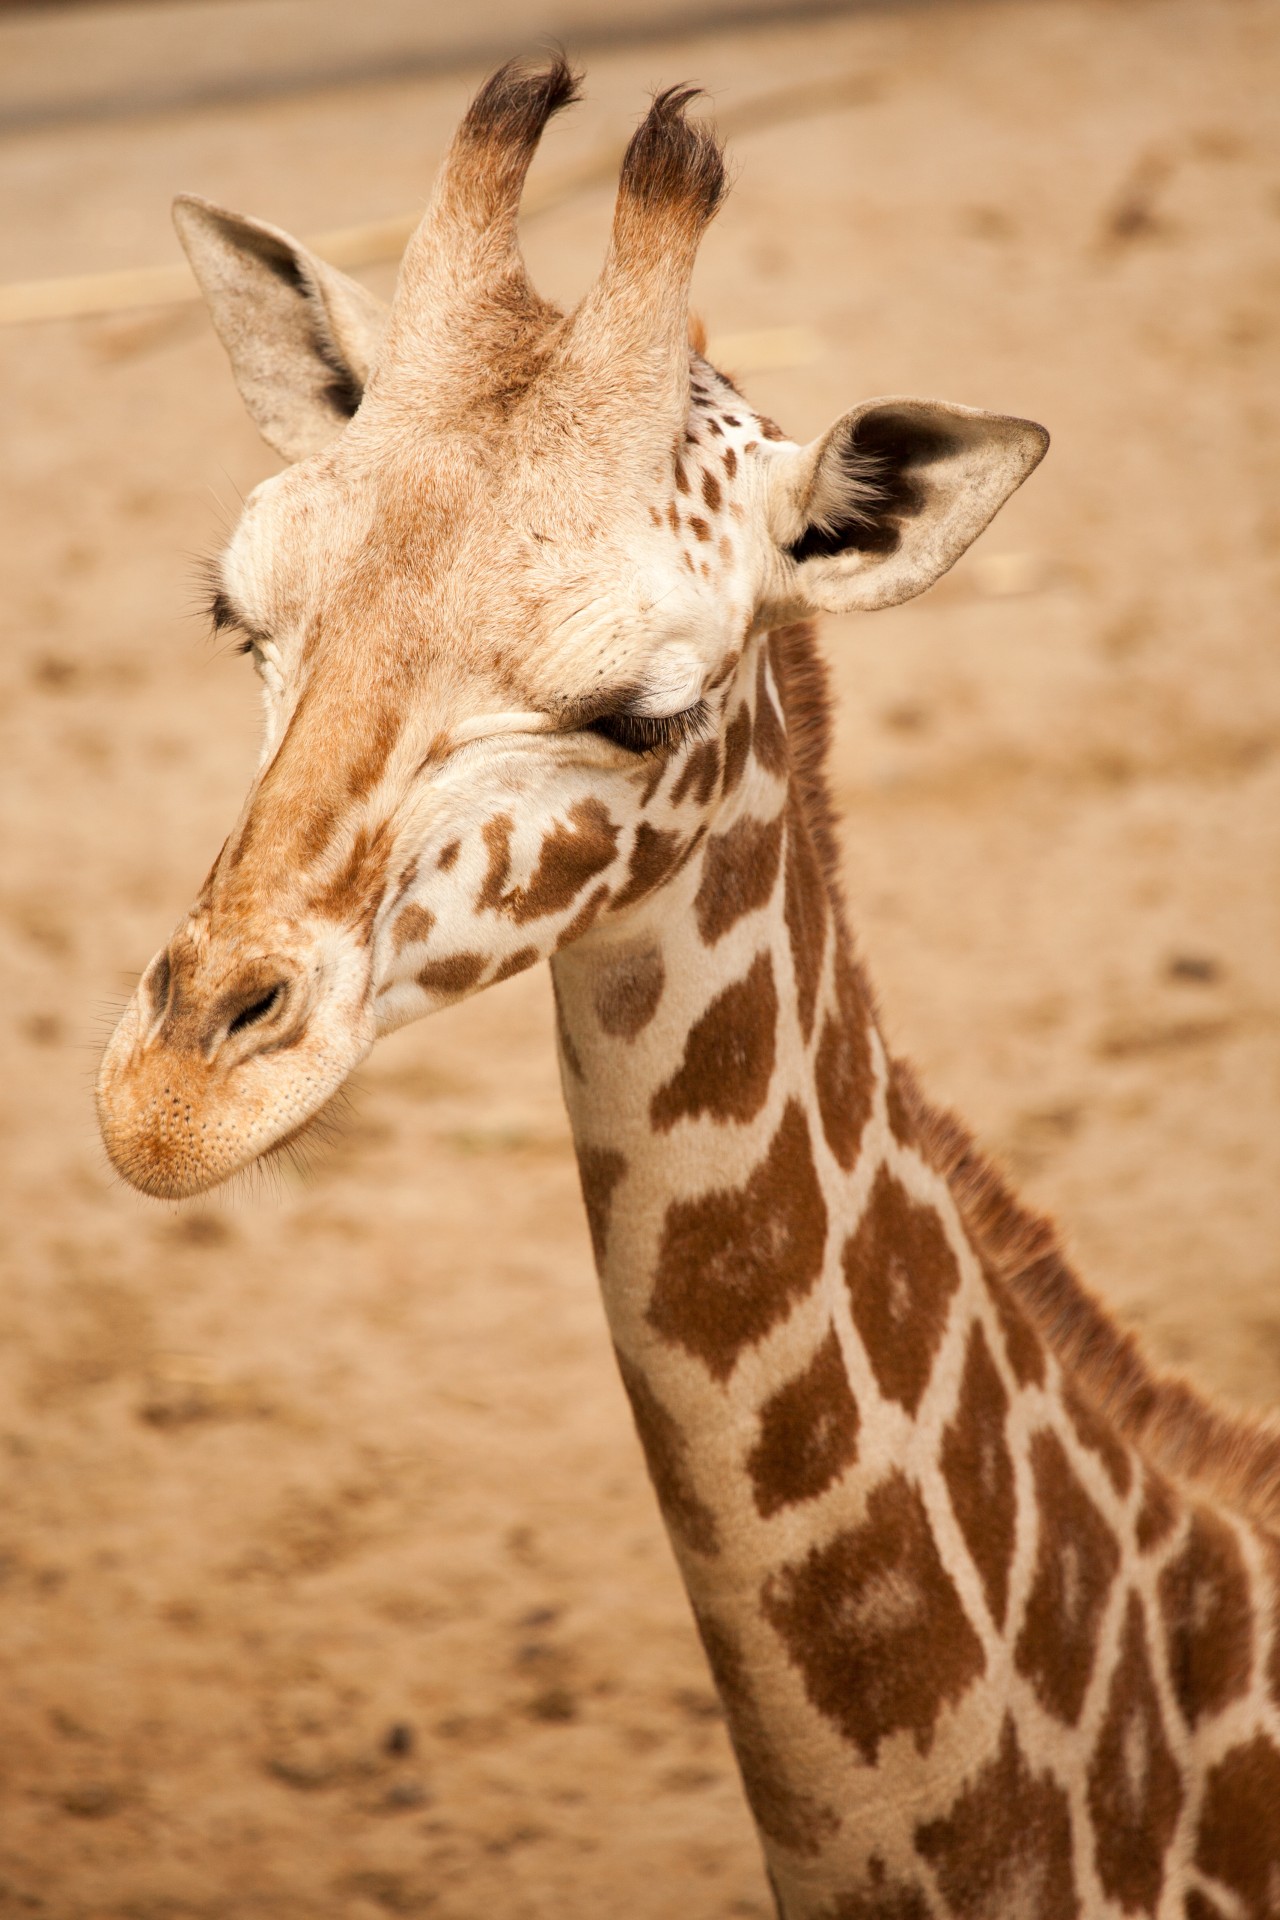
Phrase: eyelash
{"type": "Point", "coordinates": [641, 733]}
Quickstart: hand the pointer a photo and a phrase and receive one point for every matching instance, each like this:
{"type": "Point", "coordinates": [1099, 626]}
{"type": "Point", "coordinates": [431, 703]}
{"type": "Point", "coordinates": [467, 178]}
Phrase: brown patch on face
{"type": "Point", "coordinates": [978, 1469]}
{"type": "Point", "coordinates": [570, 855]}
{"type": "Point", "coordinates": [353, 895]}
{"type": "Point", "coordinates": [768, 740]}
{"type": "Point", "coordinates": [1005, 1846]}
{"type": "Point", "coordinates": [1076, 1562]}
{"type": "Point", "coordinates": [711, 491]}
{"type": "Point", "coordinates": [454, 973]}
{"type": "Point", "coordinates": [739, 872]}
{"type": "Point", "coordinates": [730, 462]}
{"type": "Point", "coordinates": [599, 1171]}
{"type": "Point", "coordinates": [682, 478]}
{"type": "Point", "coordinates": [627, 993]}
{"type": "Point", "coordinates": [1094, 1433]}
{"type": "Point", "coordinates": [733, 1263]}
{"type": "Point", "coordinates": [769, 429]}
{"type": "Point", "coordinates": [314, 835]}
{"type": "Point", "coordinates": [653, 856]}
{"type": "Point", "coordinates": [901, 1274]}
{"type": "Point", "coordinates": [1239, 1838]}
{"type": "Point", "coordinates": [805, 907]}
{"type": "Point", "coordinates": [737, 745]}
{"type": "Point", "coordinates": [808, 1433]}
{"type": "Point", "coordinates": [698, 775]}
{"type": "Point", "coordinates": [728, 1057]}
{"type": "Point", "coordinates": [496, 834]}
{"type": "Point", "coordinates": [1135, 1793]}
{"type": "Point", "coordinates": [699, 527]}
{"type": "Point", "coordinates": [518, 962]}
{"type": "Point", "coordinates": [855, 1614]}
{"type": "Point", "coordinates": [414, 924]}
{"type": "Point", "coordinates": [1208, 1618]}
{"type": "Point", "coordinates": [448, 854]}
{"type": "Point", "coordinates": [1022, 1345]}
{"type": "Point", "coordinates": [652, 781]}
{"type": "Point", "coordinates": [365, 769]}
{"type": "Point", "coordinates": [666, 1454]}
{"type": "Point", "coordinates": [842, 1068]}
{"type": "Point", "coordinates": [783, 1814]}
{"type": "Point", "coordinates": [673, 518]}
{"type": "Point", "coordinates": [588, 913]}
{"type": "Point", "coordinates": [1158, 1514]}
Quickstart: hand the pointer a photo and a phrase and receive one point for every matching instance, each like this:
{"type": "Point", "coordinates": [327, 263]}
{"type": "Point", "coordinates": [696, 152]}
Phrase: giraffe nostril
{"type": "Point", "coordinates": [258, 1010]}
{"type": "Point", "coordinates": [158, 986]}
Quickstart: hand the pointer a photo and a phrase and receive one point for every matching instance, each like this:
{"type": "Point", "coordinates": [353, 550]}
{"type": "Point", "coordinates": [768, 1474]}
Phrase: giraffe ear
{"type": "Point", "coordinates": [890, 497]}
{"type": "Point", "coordinates": [301, 336]}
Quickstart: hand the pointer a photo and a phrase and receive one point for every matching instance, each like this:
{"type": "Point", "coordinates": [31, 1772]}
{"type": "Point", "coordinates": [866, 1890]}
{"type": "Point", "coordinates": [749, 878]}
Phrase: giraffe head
{"type": "Point", "coordinates": [502, 602]}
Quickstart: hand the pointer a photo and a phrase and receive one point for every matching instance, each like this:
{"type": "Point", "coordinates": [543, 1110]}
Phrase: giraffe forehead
{"type": "Point", "coordinates": [461, 553]}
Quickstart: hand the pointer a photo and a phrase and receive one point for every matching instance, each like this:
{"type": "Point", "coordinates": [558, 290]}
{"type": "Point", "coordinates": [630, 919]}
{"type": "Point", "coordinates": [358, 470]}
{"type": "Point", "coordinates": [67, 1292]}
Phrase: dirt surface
{"type": "Point", "coordinates": [331, 1581]}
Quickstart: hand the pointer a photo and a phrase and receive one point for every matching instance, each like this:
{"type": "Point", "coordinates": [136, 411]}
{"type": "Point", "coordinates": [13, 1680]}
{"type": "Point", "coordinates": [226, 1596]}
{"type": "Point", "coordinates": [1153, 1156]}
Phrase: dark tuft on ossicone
{"type": "Point", "coordinates": [515, 103]}
{"type": "Point", "coordinates": [672, 161]}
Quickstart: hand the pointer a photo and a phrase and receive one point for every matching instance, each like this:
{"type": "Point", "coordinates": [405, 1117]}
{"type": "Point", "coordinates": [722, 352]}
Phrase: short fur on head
{"type": "Point", "coordinates": [486, 573]}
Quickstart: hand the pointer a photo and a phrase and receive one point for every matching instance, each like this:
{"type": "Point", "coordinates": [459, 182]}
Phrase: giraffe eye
{"type": "Point", "coordinates": [654, 733]}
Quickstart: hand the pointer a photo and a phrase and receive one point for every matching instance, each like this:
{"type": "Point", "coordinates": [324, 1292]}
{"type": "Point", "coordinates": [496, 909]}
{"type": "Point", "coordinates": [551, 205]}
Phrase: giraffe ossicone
{"type": "Point", "coordinates": [994, 1611]}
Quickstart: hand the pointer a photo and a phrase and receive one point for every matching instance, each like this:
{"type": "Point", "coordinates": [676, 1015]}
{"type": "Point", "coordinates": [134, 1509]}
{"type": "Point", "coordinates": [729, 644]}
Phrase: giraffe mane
{"type": "Point", "coordinates": [1172, 1424]}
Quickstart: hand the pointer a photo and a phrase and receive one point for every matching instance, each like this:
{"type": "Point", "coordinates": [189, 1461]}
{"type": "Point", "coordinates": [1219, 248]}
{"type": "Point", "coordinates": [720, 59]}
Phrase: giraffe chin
{"type": "Point", "coordinates": [175, 1125]}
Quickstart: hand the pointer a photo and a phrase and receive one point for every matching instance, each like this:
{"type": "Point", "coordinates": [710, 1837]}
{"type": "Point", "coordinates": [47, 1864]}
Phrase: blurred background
{"type": "Point", "coordinates": [330, 1582]}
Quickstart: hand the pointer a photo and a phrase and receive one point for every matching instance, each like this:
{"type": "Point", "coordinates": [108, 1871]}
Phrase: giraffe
{"type": "Point", "coordinates": [992, 1608]}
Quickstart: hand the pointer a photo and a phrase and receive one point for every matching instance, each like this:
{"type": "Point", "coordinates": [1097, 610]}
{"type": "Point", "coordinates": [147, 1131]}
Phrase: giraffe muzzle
{"type": "Point", "coordinates": [212, 1066]}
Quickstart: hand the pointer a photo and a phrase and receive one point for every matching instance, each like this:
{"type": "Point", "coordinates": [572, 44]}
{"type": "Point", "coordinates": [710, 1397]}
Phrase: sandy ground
{"type": "Point", "coordinates": [330, 1582]}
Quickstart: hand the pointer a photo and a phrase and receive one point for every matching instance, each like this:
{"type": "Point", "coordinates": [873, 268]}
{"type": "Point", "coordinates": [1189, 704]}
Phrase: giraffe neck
{"type": "Point", "coordinates": [787, 1283]}
{"type": "Point", "coordinates": [965, 1636]}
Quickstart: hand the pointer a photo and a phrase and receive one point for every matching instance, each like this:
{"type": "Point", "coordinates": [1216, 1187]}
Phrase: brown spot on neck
{"type": "Point", "coordinates": [901, 1275]}
{"type": "Point", "coordinates": [732, 1264]}
{"type": "Point", "coordinates": [666, 1454]}
{"type": "Point", "coordinates": [784, 1813]}
{"type": "Point", "coordinates": [1208, 1618]}
{"type": "Point", "coordinates": [768, 739]}
{"type": "Point", "coordinates": [739, 872]}
{"type": "Point", "coordinates": [978, 1469]}
{"type": "Point", "coordinates": [627, 992]}
{"type": "Point", "coordinates": [728, 1057]}
{"type": "Point", "coordinates": [1077, 1559]}
{"type": "Point", "coordinates": [599, 1171]}
{"type": "Point", "coordinates": [1135, 1791]}
{"type": "Point", "coordinates": [855, 1614]}
{"type": "Point", "coordinates": [805, 908]}
{"type": "Point", "coordinates": [1005, 1846]}
{"type": "Point", "coordinates": [842, 1071]}
{"type": "Point", "coordinates": [808, 1433]}
{"type": "Point", "coordinates": [1239, 1837]}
